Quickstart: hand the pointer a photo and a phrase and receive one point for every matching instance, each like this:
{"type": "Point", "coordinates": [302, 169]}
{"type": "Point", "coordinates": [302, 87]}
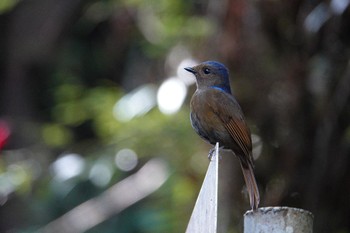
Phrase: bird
{"type": "Point", "coordinates": [216, 116]}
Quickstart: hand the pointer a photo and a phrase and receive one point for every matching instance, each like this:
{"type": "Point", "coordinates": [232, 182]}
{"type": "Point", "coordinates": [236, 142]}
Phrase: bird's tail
{"type": "Point", "coordinates": [252, 187]}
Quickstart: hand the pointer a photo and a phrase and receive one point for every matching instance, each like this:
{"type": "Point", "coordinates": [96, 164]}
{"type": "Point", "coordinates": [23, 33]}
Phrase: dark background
{"type": "Point", "coordinates": [65, 64]}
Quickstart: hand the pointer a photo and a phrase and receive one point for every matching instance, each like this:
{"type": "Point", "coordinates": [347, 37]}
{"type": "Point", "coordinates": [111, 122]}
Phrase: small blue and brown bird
{"type": "Point", "coordinates": [216, 116]}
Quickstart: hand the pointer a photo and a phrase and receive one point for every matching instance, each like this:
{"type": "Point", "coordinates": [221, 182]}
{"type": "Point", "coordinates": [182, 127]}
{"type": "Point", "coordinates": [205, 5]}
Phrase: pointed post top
{"type": "Point", "coordinates": [204, 215]}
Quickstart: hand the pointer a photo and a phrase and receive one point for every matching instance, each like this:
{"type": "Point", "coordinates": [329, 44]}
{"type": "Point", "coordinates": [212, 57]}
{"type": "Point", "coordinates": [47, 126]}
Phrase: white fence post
{"type": "Point", "coordinates": [204, 215]}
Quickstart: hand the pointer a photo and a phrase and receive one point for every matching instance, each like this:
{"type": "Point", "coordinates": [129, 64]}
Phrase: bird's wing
{"type": "Point", "coordinates": [231, 115]}
{"type": "Point", "coordinates": [238, 131]}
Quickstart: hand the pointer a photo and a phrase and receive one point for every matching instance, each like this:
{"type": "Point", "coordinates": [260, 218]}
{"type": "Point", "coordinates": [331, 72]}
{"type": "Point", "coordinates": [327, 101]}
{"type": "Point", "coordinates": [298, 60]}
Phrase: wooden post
{"type": "Point", "coordinates": [204, 215]}
{"type": "Point", "coordinates": [278, 220]}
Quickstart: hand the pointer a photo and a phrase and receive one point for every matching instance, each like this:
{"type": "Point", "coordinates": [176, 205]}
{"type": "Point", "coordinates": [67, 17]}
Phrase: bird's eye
{"type": "Point", "coordinates": [206, 70]}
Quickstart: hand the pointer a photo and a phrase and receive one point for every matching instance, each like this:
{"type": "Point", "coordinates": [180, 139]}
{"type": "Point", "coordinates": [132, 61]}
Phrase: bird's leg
{"type": "Point", "coordinates": [212, 153]}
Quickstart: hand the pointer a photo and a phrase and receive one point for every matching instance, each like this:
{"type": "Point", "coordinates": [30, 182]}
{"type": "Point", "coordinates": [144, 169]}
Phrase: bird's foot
{"type": "Point", "coordinates": [212, 153]}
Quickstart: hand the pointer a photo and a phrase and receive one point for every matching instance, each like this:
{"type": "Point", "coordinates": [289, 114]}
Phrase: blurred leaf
{"type": "Point", "coordinates": [56, 135]}
{"type": "Point", "coordinates": [7, 5]}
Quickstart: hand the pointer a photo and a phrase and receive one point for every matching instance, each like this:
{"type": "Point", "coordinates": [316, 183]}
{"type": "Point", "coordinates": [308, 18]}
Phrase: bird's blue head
{"type": "Point", "coordinates": [211, 74]}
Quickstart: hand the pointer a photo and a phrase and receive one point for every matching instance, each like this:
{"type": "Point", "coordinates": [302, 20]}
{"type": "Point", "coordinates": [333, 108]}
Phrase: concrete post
{"type": "Point", "coordinates": [278, 220]}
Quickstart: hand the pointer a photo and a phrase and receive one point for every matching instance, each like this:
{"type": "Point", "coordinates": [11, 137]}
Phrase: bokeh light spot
{"type": "Point", "coordinates": [317, 17]}
{"type": "Point", "coordinates": [100, 174]}
{"type": "Point", "coordinates": [136, 103]}
{"type": "Point", "coordinates": [171, 95]}
{"type": "Point", "coordinates": [257, 146]}
{"type": "Point", "coordinates": [184, 75]}
{"type": "Point", "coordinates": [126, 159]}
{"type": "Point", "coordinates": [339, 6]}
{"type": "Point", "coordinates": [68, 166]}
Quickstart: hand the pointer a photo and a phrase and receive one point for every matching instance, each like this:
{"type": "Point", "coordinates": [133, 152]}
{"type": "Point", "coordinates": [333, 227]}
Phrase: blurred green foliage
{"type": "Point", "coordinates": [76, 100]}
{"type": "Point", "coordinates": [65, 66]}
{"type": "Point", "coordinates": [7, 5]}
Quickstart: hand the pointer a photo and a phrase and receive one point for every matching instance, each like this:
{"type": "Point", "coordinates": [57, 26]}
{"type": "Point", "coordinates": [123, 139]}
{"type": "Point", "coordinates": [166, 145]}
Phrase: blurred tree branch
{"type": "Point", "coordinates": [112, 201]}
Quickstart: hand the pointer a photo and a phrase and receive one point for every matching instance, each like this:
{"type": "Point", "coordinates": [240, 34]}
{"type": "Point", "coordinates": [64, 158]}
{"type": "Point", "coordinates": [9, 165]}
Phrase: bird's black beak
{"type": "Point", "coordinates": [191, 70]}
